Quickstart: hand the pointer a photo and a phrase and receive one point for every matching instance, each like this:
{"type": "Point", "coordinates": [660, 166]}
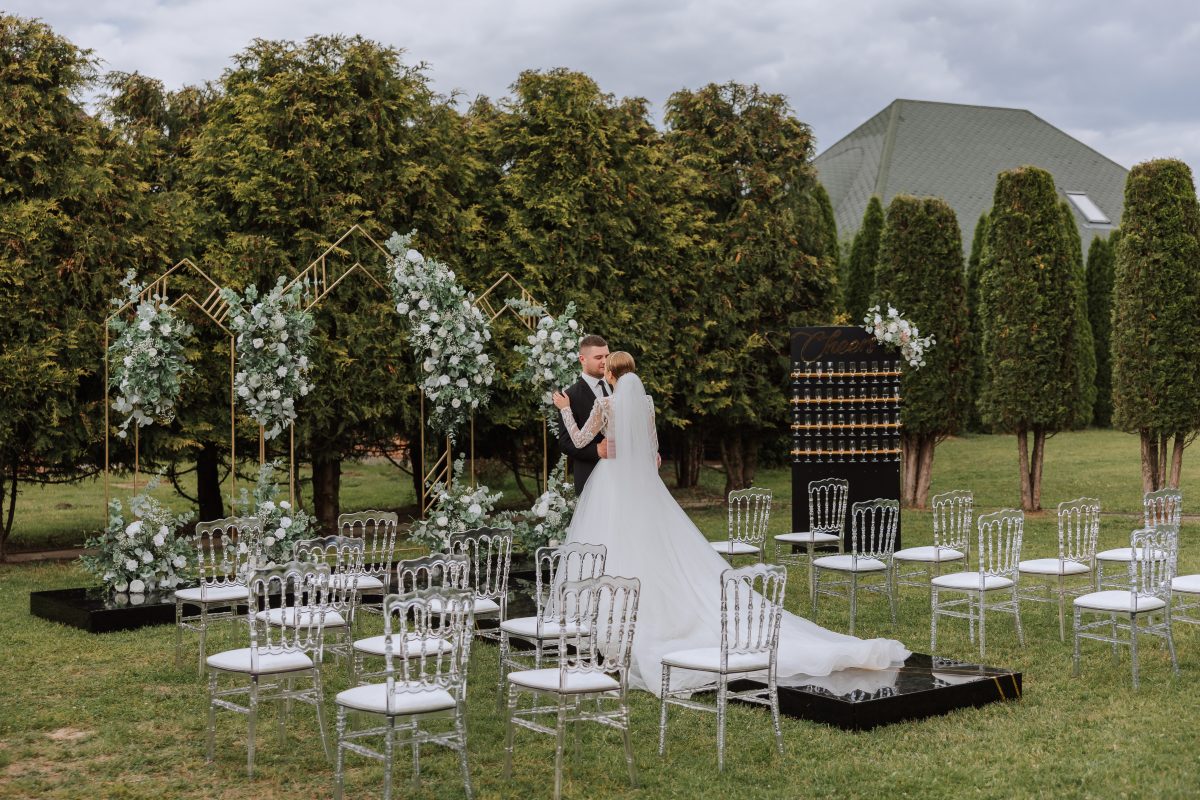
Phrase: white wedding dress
{"type": "Point", "coordinates": [626, 507]}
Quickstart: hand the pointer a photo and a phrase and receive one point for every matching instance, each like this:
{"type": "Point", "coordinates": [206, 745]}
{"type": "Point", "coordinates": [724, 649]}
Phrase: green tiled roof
{"type": "Point", "coordinates": [955, 152]}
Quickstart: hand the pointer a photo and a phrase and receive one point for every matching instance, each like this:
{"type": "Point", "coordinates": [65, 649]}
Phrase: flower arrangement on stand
{"type": "Point", "coordinates": [893, 330]}
{"type": "Point", "coordinates": [273, 340]}
{"type": "Point", "coordinates": [456, 508]}
{"type": "Point", "coordinates": [143, 554]}
{"type": "Point", "coordinates": [282, 524]}
{"type": "Point", "coordinates": [551, 353]}
{"type": "Point", "coordinates": [447, 332]}
{"type": "Point", "coordinates": [147, 358]}
{"type": "Point", "coordinates": [546, 522]}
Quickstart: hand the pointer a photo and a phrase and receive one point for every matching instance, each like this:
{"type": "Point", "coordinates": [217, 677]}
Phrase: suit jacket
{"type": "Point", "coordinates": [582, 459]}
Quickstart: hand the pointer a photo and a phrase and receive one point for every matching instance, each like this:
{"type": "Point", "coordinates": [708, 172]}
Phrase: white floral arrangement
{"type": "Point", "coordinates": [144, 554]}
{"type": "Point", "coordinates": [147, 358]}
{"type": "Point", "coordinates": [552, 352]}
{"type": "Point", "coordinates": [455, 509]}
{"type": "Point", "coordinates": [447, 333]}
{"type": "Point", "coordinates": [546, 522]}
{"type": "Point", "coordinates": [273, 340]}
{"type": "Point", "coordinates": [893, 330]}
{"type": "Point", "coordinates": [282, 524]}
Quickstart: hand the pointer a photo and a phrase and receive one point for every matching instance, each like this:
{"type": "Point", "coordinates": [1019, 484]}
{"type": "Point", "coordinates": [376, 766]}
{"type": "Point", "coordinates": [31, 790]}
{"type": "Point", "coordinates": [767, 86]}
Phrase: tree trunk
{"type": "Point", "coordinates": [1035, 468]}
{"type": "Point", "coordinates": [1161, 476]}
{"type": "Point", "coordinates": [6, 529]}
{"type": "Point", "coordinates": [731, 459]}
{"type": "Point", "coordinates": [208, 482]}
{"type": "Point", "coordinates": [749, 460]}
{"type": "Point", "coordinates": [1149, 460]}
{"type": "Point", "coordinates": [1177, 461]}
{"type": "Point", "coordinates": [689, 455]}
{"type": "Point", "coordinates": [924, 471]}
{"type": "Point", "coordinates": [909, 468]}
{"type": "Point", "coordinates": [327, 483]}
{"type": "Point", "coordinates": [1023, 458]}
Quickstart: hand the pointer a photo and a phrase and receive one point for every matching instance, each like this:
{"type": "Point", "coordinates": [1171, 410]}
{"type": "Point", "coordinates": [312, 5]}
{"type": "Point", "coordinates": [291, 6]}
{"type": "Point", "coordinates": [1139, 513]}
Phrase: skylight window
{"type": "Point", "coordinates": [1091, 212]}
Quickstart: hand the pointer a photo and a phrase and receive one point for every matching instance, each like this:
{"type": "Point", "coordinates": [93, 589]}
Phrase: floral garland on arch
{"type": "Point", "coordinates": [456, 508]}
{"type": "Point", "coordinates": [893, 330]}
{"type": "Point", "coordinates": [144, 554]}
{"type": "Point", "coordinates": [447, 333]}
{"type": "Point", "coordinates": [273, 340]}
{"type": "Point", "coordinates": [551, 353]}
{"type": "Point", "coordinates": [147, 358]}
{"type": "Point", "coordinates": [546, 522]}
{"type": "Point", "coordinates": [282, 525]}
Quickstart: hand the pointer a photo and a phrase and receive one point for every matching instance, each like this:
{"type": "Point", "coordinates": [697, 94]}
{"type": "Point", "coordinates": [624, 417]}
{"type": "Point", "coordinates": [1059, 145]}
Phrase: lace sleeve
{"type": "Point", "coordinates": [580, 437]}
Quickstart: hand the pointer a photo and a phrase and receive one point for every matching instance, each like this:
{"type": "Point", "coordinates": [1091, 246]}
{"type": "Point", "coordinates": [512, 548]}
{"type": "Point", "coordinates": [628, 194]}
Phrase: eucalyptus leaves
{"type": "Point", "coordinates": [144, 554]}
{"type": "Point", "coordinates": [552, 353]}
{"type": "Point", "coordinates": [456, 508]}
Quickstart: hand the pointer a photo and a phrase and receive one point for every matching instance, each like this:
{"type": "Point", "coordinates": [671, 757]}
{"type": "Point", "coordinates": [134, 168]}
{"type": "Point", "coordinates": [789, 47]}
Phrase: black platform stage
{"type": "Point", "coordinates": [100, 611]}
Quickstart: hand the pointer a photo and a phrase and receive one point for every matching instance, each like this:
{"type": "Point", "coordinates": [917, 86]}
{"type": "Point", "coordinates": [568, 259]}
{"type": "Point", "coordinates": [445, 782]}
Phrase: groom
{"type": "Point", "coordinates": [593, 353]}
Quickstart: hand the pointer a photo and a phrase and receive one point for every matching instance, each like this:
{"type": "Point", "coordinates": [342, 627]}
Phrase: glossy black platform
{"type": "Point", "coordinates": [99, 611]}
{"type": "Point", "coordinates": [924, 686]}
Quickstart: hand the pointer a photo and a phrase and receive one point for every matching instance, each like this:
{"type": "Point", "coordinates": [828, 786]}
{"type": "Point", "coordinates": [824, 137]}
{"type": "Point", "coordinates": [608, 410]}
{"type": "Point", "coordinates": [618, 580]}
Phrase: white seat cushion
{"type": "Point", "coordinates": [804, 537]}
{"type": "Point", "coordinates": [407, 699]}
{"type": "Point", "coordinates": [527, 627]}
{"type": "Point", "coordinates": [1118, 600]}
{"type": "Point", "coordinates": [929, 553]}
{"type": "Point", "coordinates": [736, 548]}
{"type": "Point", "coordinates": [1050, 566]}
{"type": "Point", "coordinates": [213, 594]}
{"type": "Point", "coordinates": [1121, 554]}
{"type": "Point", "coordinates": [970, 580]}
{"type": "Point", "coordinates": [374, 646]}
{"type": "Point", "coordinates": [287, 616]}
{"type": "Point", "coordinates": [1188, 584]}
{"type": "Point", "coordinates": [847, 563]}
{"type": "Point", "coordinates": [483, 605]}
{"type": "Point", "coordinates": [547, 680]}
{"type": "Point", "coordinates": [268, 663]}
{"type": "Point", "coordinates": [362, 583]}
{"type": "Point", "coordinates": [709, 659]}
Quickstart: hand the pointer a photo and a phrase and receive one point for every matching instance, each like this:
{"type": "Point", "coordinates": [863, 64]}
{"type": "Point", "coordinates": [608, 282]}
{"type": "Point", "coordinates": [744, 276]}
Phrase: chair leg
{"type": "Point", "coordinates": [722, 701]}
{"type": "Point", "coordinates": [416, 753]}
{"type": "Point", "coordinates": [508, 732]}
{"type": "Point", "coordinates": [212, 714]}
{"type": "Point", "coordinates": [662, 710]}
{"type": "Point", "coordinates": [933, 615]}
{"type": "Point", "coordinates": [633, 774]}
{"type": "Point", "coordinates": [891, 592]}
{"type": "Point", "coordinates": [1062, 624]}
{"type": "Point", "coordinates": [1075, 636]}
{"type": "Point", "coordinates": [203, 634]}
{"type": "Point", "coordinates": [501, 683]}
{"type": "Point", "coordinates": [773, 689]}
{"type": "Point", "coordinates": [982, 630]}
{"type": "Point", "coordinates": [460, 727]}
{"type": "Point", "coordinates": [1171, 645]}
{"type": "Point", "coordinates": [853, 600]}
{"type": "Point", "coordinates": [178, 632]}
{"type": "Point", "coordinates": [318, 701]}
{"type": "Point", "coordinates": [812, 587]}
{"type": "Point", "coordinates": [1017, 613]}
{"type": "Point", "coordinates": [339, 767]}
{"type": "Point", "coordinates": [559, 744]}
{"type": "Point", "coordinates": [1113, 635]}
{"type": "Point", "coordinates": [252, 723]}
{"type": "Point", "coordinates": [1133, 647]}
{"type": "Point", "coordinates": [389, 751]}
{"type": "Point", "coordinates": [816, 585]}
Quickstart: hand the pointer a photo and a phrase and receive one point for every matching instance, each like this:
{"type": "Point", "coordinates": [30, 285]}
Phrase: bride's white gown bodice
{"type": "Point", "coordinates": [626, 507]}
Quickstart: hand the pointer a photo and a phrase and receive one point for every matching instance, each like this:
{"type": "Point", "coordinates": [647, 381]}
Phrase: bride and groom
{"type": "Point", "coordinates": [607, 429]}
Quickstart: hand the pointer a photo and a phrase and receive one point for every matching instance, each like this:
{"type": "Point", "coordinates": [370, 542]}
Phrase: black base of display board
{"type": "Point", "coordinates": [867, 482]}
{"type": "Point", "coordinates": [101, 611]}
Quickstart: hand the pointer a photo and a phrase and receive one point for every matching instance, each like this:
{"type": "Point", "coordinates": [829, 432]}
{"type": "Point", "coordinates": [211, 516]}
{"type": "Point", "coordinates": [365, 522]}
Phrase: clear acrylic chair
{"type": "Point", "coordinates": [427, 645]}
{"type": "Point", "coordinates": [826, 523]}
{"type": "Point", "coordinates": [953, 514]}
{"type": "Point", "coordinates": [267, 670]}
{"type": "Point", "coordinates": [997, 555]}
{"type": "Point", "coordinates": [344, 557]}
{"type": "Point", "coordinates": [489, 555]}
{"type": "Point", "coordinates": [1161, 508]}
{"type": "Point", "coordinates": [377, 529]}
{"type": "Point", "coordinates": [872, 542]}
{"type": "Point", "coordinates": [749, 513]}
{"type": "Point", "coordinates": [1078, 532]}
{"type": "Point", "coordinates": [574, 561]}
{"type": "Point", "coordinates": [1145, 602]}
{"type": "Point", "coordinates": [225, 548]}
{"type": "Point", "coordinates": [595, 620]}
{"type": "Point", "coordinates": [751, 610]}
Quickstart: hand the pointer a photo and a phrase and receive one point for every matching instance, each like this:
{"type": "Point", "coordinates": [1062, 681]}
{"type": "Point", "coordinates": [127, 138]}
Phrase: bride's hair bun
{"type": "Point", "coordinates": [620, 363]}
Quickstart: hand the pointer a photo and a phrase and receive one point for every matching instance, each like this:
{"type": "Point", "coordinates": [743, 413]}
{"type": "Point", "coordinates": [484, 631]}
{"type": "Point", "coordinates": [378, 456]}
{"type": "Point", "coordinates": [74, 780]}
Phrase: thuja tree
{"type": "Point", "coordinates": [920, 272]}
{"type": "Point", "coordinates": [864, 253]}
{"type": "Point", "coordinates": [1100, 267]}
{"type": "Point", "coordinates": [1029, 301]}
{"type": "Point", "coordinates": [974, 267]}
{"type": "Point", "coordinates": [1156, 330]}
{"type": "Point", "coordinates": [829, 232]}
{"type": "Point", "coordinates": [1081, 325]}
{"type": "Point", "coordinates": [766, 272]}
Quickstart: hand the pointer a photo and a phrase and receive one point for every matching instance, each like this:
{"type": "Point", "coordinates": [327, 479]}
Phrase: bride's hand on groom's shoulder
{"type": "Point", "coordinates": [561, 401]}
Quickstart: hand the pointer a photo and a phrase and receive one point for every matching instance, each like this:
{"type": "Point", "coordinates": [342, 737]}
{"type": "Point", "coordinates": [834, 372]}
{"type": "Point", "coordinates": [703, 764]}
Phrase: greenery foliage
{"type": "Point", "coordinates": [1100, 275]}
{"type": "Point", "coordinates": [282, 523]}
{"type": "Point", "coordinates": [975, 330]}
{"type": "Point", "coordinates": [145, 553]}
{"type": "Point", "coordinates": [864, 254]}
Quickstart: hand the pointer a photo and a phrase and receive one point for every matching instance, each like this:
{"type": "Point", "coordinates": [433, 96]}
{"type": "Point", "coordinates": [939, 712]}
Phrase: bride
{"type": "Point", "coordinates": [626, 507]}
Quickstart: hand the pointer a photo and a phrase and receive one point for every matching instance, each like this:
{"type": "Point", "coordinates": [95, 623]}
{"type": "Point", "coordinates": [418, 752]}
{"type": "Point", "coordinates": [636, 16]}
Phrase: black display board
{"type": "Point", "coordinates": [845, 417]}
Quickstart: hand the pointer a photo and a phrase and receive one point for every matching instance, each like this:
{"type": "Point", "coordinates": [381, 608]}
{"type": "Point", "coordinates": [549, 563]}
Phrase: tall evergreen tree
{"type": "Point", "coordinates": [920, 271]}
{"type": "Point", "coordinates": [829, 232]}
{"type": "Point", "coordinates": [1084, 342]}
{"type": "Point", "coordinates": [864, 254]}
{"type": "Point", "coordinates": [1100, 267]}
{"type": "Point", "coordinates": [974, 267]}
{"type": "Point", "coordinates": [1029, 300]}
{"type": "Point", "coordinates": [1156, 331]}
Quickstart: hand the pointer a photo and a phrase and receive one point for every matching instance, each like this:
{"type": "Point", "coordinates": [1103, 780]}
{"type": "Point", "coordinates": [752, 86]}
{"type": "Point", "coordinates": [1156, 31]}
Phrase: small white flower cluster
{"type": "Point", "coordinates": [282, 524]}
{"type": "Point", "coordinates": [272, 353]}
{"type": "Point", "coordinates": [144, 554]}
{"type": "Point", "coordinates": [146, 359]}
{"type": "Point", "coordinates": [895, 331]}
{"type": "Point", "coordinates": [456, 509]}
{"type": "Point", "coordinates": [552, 353]}
{"type": "Point", "coordinates": [549, 517]}
{"type": "Point", "coordinates": [447, 332]}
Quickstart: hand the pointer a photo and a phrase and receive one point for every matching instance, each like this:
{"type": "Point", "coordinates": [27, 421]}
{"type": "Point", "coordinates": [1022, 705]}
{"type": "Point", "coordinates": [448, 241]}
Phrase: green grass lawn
{"type": "Point", "coordinates": [110, 716]}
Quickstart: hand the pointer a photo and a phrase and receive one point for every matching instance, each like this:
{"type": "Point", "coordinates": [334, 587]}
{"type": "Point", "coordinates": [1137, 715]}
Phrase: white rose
{"type": "Point", "coordinates": [137, 586]}
{"type": "Point", "coordinates": [267, 506]}
{"type": "Point", "coordinates": [243, 391]}
{"type": "Point", "coordinates": [423, 305]}
{"type": "Point", "coordinates": [401, 308]}
{"type": "Point", "coordinates": [443, 521]}
{"type": "Point", "coordinates": [541, 334]}
{"type": "Point", "coordinates": [147, 557]}
{"type": "Point", "coordinates": [159, 541]}
{"type": "Point", "coordinates": [281, 372]}
{"type": "Point", "coordinates": [144, 326]}
{"type": "Point", "coordinates": [475, 509]}
{"type": "Point", "coordinates": [444, 380]}
{"type": "Point", "coordinates": [179, 561]}
{"type": "Point", "coordinates": [269, 540]}
{"type": "Point", "coordinates": [424, 329]}
{"type": "Point", "coordinates": [455, 403]}
{"type": "Point", "coordinates": [414, 257]}
{"type": "Point", "coordinates": [128, 361]}
{"type": "Point", "coordinates": [276, 394]}
{"type": "Point", "coordinates": [284, 504]}
{"type": "Point", "coordinates": [556, 337]}
{"type": "Point", "coordinates": [285, 522]}
{"type": "Point", "coordinates": [131, 563]}
{"type": "Point", "coordinates": [302, 362]}
{"type": "Point", "coordinates": [165, 329]}
{"type": "Point", "coordinates": [573, 325]}
{"type": "Point", "coordinates": [461, 383]}
{"type": "Point", "coordinates": [134, 528]}
{"type": "Point", "coordinates": [120, 586]}
{"type": "Point", "coordinates": [258, 343]}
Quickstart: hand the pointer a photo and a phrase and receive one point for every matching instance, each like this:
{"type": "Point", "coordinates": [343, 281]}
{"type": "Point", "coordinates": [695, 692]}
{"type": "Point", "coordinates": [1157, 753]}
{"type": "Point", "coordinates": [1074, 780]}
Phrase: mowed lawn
{"type": "Point", "coordinates": [111, 716]}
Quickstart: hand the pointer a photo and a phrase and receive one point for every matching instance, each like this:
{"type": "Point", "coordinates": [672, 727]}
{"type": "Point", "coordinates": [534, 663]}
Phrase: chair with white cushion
{"type": "Point", "coordinates": [489, 557]}
{"type": "Point", "coordinates": [749, 513]}
{"type": "Point", "coordinates": [595, 620]}
{"type": "Point", "coordinates": [278, 654]}
{"type": "Point", "coordinates": [344, 557]}
{"type": "Point", "coordinates": [997, 556]}
{"type": "Point", "coordinates": [873, 541]}
{"type": "Point", "coordinates": [751, 610]}
{"type": "Point", "coordinates": [224, 549]}
{"type": "Point", "coordinates": [1163, 507]}
{"type": "Point", "coordinates": [1145, 602]}
{"type": "Point", "coordinates": [427, 644]}
{"type": "Point", "coordinates": [377, 529]}
{"type": "Point", "coordinates": [826, 523]}
{"type": "Point", "coordinates": [953, 514]}
{"type": "Point", "coordinates": [1078, 531]}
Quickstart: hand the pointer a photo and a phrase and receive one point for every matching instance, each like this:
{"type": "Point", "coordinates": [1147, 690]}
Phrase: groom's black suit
{"type": "Point", "coordinates": [583, 459]}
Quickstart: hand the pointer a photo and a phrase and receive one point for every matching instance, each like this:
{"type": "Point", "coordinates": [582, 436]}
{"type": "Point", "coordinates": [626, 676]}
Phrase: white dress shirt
{"type": "Point", "coordinates": [595, 384]}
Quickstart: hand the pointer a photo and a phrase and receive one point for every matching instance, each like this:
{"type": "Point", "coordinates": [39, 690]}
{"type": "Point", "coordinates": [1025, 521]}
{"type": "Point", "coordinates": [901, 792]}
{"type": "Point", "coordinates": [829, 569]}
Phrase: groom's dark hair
{"type": "Point", "coordinates": [592, 340]}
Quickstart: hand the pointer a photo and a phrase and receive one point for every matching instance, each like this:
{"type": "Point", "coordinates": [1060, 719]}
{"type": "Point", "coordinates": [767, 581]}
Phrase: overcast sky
{"type": "Point", "coordinates": [1123, 77]}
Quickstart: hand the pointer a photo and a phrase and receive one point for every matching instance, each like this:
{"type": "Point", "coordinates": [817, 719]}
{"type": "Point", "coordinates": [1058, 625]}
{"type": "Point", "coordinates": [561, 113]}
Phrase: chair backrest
{"type": "Point", "coordinates": [342, 553]}
{"type": "Point", "coordinates": [574, 561]}
{"type": "Point", "coordinates": [827, 505]}
{"type": "Point", "coordinates": [953, 513]}
{"type": "Point", "coordinates": [874, 528]}
{"type": "Point", "coordinates": [489, 556]}
{"type": "Point", "coordinates": [751, 608]}
{"type": "Point", "coordinates": [437, 571]}
{"type": "Point", "coordinates": [1162, 507]}
{"type": "Point", "coordinates": [1150, 570]}
{"type": "Point", "coordinates": [377, 529]}
{"type": "Point", "coordinates": [597, 617]}
{"type": "Point", "coordinates": [437, 625]}
{"type": "Point", "coordinates": [1078, 530]}
{"type": "Point", "coordinates": [301, 590]}
{"type": "Point", "coordinates": [225, 550]}
{"type": "Point", "coordinates": [749, 513]}
{"type": "Point", "coordinates": [1000, 535]}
